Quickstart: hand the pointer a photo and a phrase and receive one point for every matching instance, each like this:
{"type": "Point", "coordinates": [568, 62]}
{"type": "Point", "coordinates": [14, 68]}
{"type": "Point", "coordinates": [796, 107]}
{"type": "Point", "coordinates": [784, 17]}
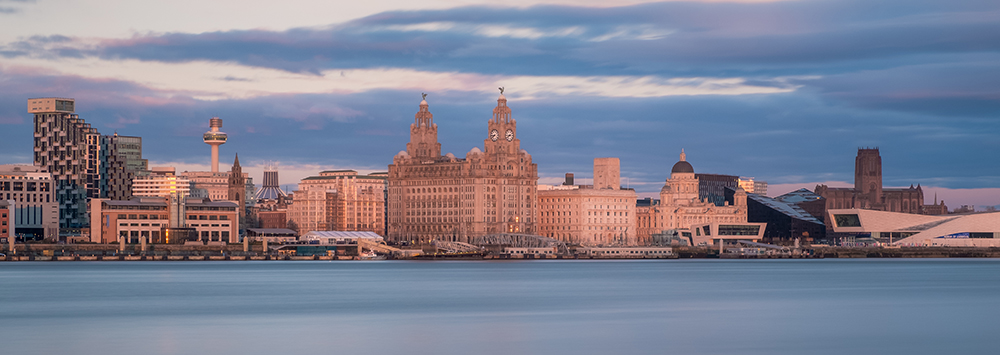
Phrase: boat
{"type": "Point", "coordinates": [370, 255]}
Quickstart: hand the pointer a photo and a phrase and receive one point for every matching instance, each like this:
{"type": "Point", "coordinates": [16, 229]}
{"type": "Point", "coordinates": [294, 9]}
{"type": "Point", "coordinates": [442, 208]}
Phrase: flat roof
{"type": "Point", "coordinates": [272, 231]}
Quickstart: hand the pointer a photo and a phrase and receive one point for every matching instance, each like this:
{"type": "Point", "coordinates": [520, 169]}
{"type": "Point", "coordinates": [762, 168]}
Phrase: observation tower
{"type": "Point", "coordinates": [215, 138]}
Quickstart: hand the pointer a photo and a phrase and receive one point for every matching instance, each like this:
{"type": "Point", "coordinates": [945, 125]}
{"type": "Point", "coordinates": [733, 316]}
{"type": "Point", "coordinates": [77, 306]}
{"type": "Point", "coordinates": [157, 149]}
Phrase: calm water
{"type": "Point", "coordinates": [533, 307]}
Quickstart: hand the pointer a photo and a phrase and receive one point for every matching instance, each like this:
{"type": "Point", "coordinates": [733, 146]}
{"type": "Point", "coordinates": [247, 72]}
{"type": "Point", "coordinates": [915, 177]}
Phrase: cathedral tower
{"type": "Point", "coordinates": [868, 178]}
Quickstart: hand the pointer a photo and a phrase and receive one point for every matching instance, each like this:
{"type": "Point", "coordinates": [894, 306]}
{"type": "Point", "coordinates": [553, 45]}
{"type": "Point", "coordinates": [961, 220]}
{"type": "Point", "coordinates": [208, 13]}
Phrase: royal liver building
{"type": "Point", "coordinates": [443, 197]}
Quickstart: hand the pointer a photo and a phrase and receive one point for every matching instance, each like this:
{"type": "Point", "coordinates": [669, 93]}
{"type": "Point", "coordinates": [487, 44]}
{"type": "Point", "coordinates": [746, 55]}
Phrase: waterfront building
{"type": "Point", "coordinates": [272, 235]}
{"type": "Point", "coordinates": [153, 219]}
{"type": "Point", "coordinates": [31, 193]}
{"type": "Point", "coordinates": [591, 215]}
{"type": "Point", "coordinates": [66, 146]}
{"type": "Point", "coordinates": [868, 192]}
{"type": "Point", "coordinates": [339, 200]}
{"type": "Point", "coordinates": [680, 206]}
{"type": "Point", "coordinates": [83, 163]}
{"type": "Point", "coordinates": [646, 217]}
{"type": "Point", "coordinates": [443, 197]}
{"type": "Point", "coordinates": [786, 218]}
{"type": "Point", "coordinates": [6, 227]}
{"type": "Point", "coordinates": [722, 234]}
{"type": "Point", "coordinates": [864, 226]}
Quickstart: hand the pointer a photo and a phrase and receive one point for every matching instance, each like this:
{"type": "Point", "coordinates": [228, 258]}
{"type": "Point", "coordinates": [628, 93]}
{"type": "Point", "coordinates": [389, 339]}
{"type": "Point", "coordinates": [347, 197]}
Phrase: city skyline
{"type": "Point", "coordinates": [781, 91]}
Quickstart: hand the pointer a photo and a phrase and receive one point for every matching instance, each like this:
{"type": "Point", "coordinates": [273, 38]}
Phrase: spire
{"type": "Point", "coordinates": [683, 156]}
{"type": "Point", "coordinates": [236, 163]}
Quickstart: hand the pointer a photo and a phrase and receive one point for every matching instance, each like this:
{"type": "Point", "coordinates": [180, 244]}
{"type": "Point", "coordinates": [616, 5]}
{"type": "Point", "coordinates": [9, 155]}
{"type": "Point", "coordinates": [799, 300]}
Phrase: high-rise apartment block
{"type": "Point", "coordinates": [66, 146]}
{"type": "Point", "coordinates": [83, 163]}
{"type": "Point", "coordinates": [443, 197]}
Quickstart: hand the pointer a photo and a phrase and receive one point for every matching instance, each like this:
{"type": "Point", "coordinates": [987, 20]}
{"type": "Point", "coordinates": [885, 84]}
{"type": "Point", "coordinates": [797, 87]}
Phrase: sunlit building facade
{"type": "Point", "coordinates": [443, 197]}
{"type": "Point", "coordinates": [339, 200]}
{"type": "Point", "coordinates": [590, 215]}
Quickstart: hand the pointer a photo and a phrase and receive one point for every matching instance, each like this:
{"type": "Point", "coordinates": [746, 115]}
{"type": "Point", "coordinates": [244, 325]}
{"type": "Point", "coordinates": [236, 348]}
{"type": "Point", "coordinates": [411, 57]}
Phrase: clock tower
{"type": "Point", "coordinates": [501, 134]}
{"type": "Point", "coordinates": [444, 197]}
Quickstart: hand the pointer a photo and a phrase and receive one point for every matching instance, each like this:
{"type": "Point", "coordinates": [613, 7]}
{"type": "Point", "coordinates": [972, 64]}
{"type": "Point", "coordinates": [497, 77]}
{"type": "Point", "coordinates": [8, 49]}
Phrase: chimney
{"type": "Point", "coordinates": [569, 179]}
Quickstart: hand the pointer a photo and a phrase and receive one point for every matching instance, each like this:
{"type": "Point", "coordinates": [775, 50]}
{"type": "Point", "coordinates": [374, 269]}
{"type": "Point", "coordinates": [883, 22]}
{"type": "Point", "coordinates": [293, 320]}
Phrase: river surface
{"type": "Point", "coordinates": [869, 306]}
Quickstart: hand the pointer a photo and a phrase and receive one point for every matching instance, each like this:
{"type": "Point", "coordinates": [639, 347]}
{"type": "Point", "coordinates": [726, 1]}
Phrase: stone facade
{"type": "Point", "coordinates": [442, 197]}
{"type": "Point", "coordinates": [339, 200]}
{"type": "Point", "coordinates": [680, 206]}
{"type": "Point", "coordinates": [647, 216]}
{"type": "Point", "coordinates": [599, 214]}
{"type": "Point", "coordinates": [6, 229]}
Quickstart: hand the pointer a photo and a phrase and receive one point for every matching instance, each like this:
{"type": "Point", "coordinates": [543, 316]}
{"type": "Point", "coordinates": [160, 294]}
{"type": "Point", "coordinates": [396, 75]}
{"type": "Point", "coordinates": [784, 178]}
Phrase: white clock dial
{"type": "Point", "coordinates": [494, 135]}
{"type": "Point", "coordinates": [510, 135]}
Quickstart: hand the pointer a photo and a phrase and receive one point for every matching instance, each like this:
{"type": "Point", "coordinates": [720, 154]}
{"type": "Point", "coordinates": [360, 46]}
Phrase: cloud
{"type": "Point", "coordinates": [659, 38]}
{"type": "Point", "coordinates": [7, 10]}
{"type": "Point", "coordinates": [200, 80]}
{"type": "Point", "coordinates": [783, 91]}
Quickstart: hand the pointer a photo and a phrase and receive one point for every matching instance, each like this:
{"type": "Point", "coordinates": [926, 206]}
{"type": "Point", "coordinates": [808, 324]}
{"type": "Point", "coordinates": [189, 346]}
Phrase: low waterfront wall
{"type": "Point", "coordinates": [162, 252]}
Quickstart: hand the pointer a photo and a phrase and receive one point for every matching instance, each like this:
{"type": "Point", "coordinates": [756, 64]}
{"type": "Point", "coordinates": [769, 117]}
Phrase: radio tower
{"type": "Point", "coordinates": [215, 138]}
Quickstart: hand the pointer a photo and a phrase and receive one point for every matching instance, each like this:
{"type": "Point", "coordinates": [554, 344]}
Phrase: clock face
{"type": "Point", "coordinates": [494, 135]}
{"type": "Point", "coordinates": [510, 135]}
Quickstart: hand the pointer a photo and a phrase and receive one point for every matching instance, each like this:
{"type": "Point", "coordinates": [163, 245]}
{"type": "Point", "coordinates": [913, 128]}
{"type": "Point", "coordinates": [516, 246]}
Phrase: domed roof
{"type": "Point", "coordinates": [682, 166]}
{"type": "Point", "coordinates": [475, 150]}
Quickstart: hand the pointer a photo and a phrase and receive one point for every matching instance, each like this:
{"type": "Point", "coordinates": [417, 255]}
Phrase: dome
{"type": "Point", "coordinates": [402, 153]}
{"type": "Point", "coordinates": [682, 166]}
{"type": "Point", "coordinates": [450, 156]}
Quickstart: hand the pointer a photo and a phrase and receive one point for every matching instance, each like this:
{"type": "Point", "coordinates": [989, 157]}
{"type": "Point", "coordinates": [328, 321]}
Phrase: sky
{"type": "Point", "coordinates": [782, 91]}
